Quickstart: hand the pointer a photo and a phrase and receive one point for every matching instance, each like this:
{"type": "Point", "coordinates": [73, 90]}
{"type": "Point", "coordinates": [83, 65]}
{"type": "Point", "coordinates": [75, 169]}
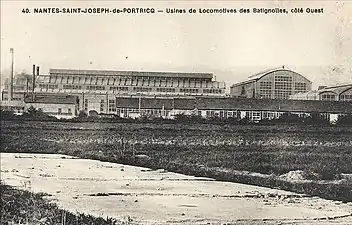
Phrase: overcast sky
{"type": "Point", "coordinates": [233, 46]}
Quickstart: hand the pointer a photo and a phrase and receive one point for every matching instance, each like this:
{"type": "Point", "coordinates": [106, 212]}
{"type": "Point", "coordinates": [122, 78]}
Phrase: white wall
{"type": "Point", "coordinates": [53, 109]}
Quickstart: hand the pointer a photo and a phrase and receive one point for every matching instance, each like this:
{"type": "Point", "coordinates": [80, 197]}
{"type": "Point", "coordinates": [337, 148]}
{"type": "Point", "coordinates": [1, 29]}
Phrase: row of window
{"type": "Point", "coordinates": [95, 88]}
{"type": "Point", "coordinates": [212, 91]}
{"type": "Point", "coordinates": [328, 97]}
{"type": "Point", "coordinates": [281, 94]}
{"type": "Point", "coordinates": [265, 85]}
{"type": "Point", "coordinates": [265, 93]}
{"type": "Point", "coordinates": [142, 89]}
{"type": "Point", "coordinates": [136, 89]}
{"type": "Point", "coordinates": [300, 86]}
{"type": "Point", "coordinates": [123, 78]}
{"type": "Point", "coordinates": [71, 86]}
{"type": "Point", "coordinates": [102, 105]}
{"type": "Point", "coordinates": [166, 90]}
{"type": "Point", "coordinates": [189, 90]}
{"type": "Point", "coordinates": [48, 86]}
{"type": "Point", "coordinates": [283, 85]}
{"type": "Point", "coordinates": [114, 88]}
{"type": "Point", "coordinates": [254, 115]}
{"type": "Point", "coordinates": [143, 83]}
{"type": "Point", "coordinates": [283, 79]}
{"type": "Point", "coordinates": [111, 105]}
{"type": "Point", "coordinates": [346, 97]}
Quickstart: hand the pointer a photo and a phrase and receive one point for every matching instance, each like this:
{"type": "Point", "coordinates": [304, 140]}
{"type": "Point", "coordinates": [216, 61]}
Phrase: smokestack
{"type": "Point", "coordinates": [38, 70]}
{"type": "Point", "coordinates": [11, 76]}
{"type": "Point", "coordinates": [33, 82]}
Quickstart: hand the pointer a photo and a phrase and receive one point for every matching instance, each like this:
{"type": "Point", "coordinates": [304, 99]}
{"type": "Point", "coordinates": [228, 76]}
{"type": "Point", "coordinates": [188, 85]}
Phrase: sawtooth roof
{"type": "Point", "coordinates": [130, 73]}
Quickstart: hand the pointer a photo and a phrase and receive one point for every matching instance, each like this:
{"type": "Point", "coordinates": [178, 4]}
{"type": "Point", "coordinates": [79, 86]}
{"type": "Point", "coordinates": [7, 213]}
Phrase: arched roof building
{"type": "Point", "coordinates": [277, 83]}
{"type": "Point", "coordinates": [332, 93]}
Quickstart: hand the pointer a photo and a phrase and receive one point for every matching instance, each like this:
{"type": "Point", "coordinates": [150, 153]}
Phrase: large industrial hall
{"type": "Point", "coordinates": [64, 93]}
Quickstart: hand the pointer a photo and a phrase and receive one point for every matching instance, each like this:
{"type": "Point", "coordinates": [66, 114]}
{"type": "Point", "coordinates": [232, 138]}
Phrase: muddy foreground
{"type": "Point", "coordinates": [142, 196]}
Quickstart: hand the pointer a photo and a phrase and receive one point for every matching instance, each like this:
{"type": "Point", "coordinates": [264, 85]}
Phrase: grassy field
{"type": "Point", "coordinates": [323, 153]}
{"type": "Point", "coordinates": [24, 207]}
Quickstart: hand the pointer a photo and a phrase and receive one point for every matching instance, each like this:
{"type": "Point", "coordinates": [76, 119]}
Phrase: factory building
{"type": "Point", "coordinates": [97, 89]}
{"type": "Point", "coordinates": [277, 83]}
{"type": "Point", "coordinates": [60, 106]}
{"type": "Point", "coordinates": [64, 93]}
{"type": "Point", "coordinates": [331, 93]}
{"type": "Point", "coordinates": [225, 107]}
{"type": "Point", "coordinates": [122, 83]}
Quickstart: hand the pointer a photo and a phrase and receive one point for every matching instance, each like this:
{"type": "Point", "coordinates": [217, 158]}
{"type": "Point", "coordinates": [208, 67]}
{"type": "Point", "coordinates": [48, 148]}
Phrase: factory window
{"type": "Point", "coordinates": [85, 104]}
{"type": "Point", "coordinates": [283, 79]}
{"type": "Point", "coordinates": [59, 110]}
{"type": "Point", "coordinates": [256, 116]}
{"type": "Point", "coordinates": [95, 88]}
{"type": "Point", "coordinates": [112, 106]}
{"type": "Point", "coordinates": [165, 90]}
{"type": "Point", "coordinates": [212, 91]}
{"type": "Point", "coordinates": [300, 86]}
{"type": "Point", "coordinates": [268, 115]}
{"type": "Point", "coordinates": [280, 94]}
{"type": "Point", "coordinates": [70, 86]}
{"type": "Point", "coordinates": [141, 89]}
{"type": "Point", "coordinates": [53, 86]}
{"type": "Point", "coordinates": [43, 86]}
{"type": "Point", "coordinates": [114, 88]}
{"type": "Point", "coordinates": [283, 82]}
{"type": "Point", "coordinates": [283, 85]}
{"type": "Point", "coordinates": [265, 85]}
{"type": "Point", "coordinates": [102, 105]}
{"type": "Point", "coordinates": [328, 97]}
{"type": "Point", "coordinates": [69, 111]}
{"type": "Point", "coordinates": [346, 98]}
{"type": "Point", "coordinates": [189, 90]}
{"type": "Point", "coordinates": [265, 93]}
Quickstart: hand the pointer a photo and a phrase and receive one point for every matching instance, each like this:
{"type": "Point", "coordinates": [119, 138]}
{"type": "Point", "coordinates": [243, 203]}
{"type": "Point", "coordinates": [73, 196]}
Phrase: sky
{"type": "Point", "coordinates": [232, 46]}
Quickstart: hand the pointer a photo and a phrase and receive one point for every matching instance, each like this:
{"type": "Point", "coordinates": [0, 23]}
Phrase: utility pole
{"type": "Point", "coordinates": [11, 77]}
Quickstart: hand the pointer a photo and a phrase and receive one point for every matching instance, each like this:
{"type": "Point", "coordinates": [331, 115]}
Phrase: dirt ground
{"type": "Point", "coordinates": [143, 196]}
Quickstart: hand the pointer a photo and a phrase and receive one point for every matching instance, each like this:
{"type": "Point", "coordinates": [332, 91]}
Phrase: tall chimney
{"type": "Point", "coordinates": [11, 77]}
{"type": "Point", "coordinates": [33, 82]}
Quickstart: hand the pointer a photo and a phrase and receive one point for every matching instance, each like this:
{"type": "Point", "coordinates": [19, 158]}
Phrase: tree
{"type": "Point", "coordinates": [32, 112]}
{"type": "Point", "coordinates": [7, 114]}
{"type": "Point", "coordinates": [344, 120]}
{"type": "Point", "coordinates": [82, 114]}
{"type": "Point", "coordinates": [290, 118]}
{"type": "Point", "coordinates": [316, 118]}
